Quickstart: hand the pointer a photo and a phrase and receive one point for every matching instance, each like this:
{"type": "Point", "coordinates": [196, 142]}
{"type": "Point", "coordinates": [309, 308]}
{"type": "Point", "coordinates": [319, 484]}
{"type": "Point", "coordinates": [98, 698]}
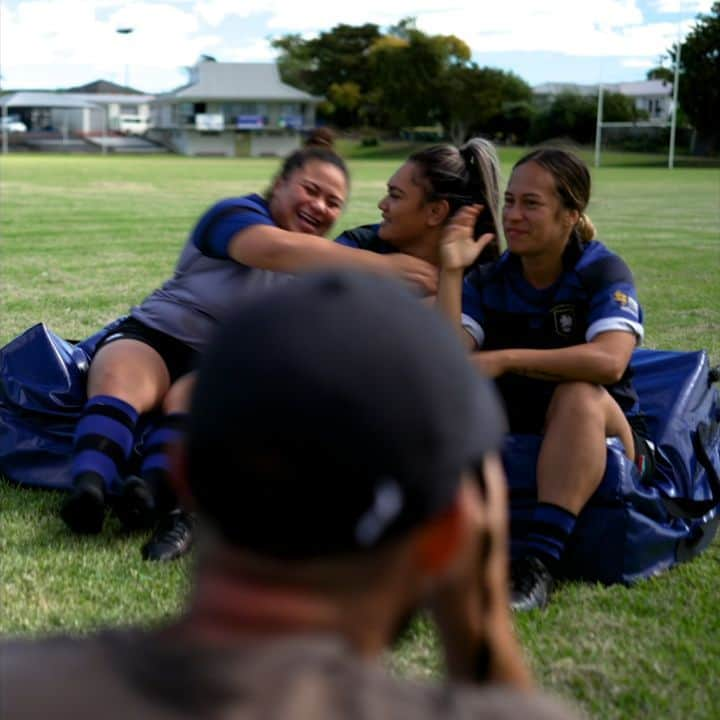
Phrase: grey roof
{"type": "Point", "coordinates": [45, 99]}
{"type": "Point", "coordinates": [642, 88]}
{"type": "Point", "coordinates": [556, 88]}
{"type": "Point", "coordinates": [106, 99]}
{"type": "Point", "coordinates": [238, 81]}
{"type": "Point", "coordinates": [69, 100]}
{"type": "Point", "coordinates": [103, 87]}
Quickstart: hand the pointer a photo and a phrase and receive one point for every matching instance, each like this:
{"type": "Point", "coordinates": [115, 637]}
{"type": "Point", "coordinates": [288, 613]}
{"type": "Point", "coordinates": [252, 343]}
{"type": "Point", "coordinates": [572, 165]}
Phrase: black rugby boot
{"type": "Point", "coordinates": [172, 538]}
{"type": "Point", "coordinates": [84, 509]}
{"type": "Point", "coordinates": [136, 507]}
{"type": "Point", "coordinates": [531, 584]}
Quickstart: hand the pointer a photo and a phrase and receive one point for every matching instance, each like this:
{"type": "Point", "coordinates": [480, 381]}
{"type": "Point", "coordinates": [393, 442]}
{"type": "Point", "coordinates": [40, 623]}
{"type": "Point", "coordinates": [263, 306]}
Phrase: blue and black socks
{"type": "Point", "coordinates": [149, 493]}
{"type": "Point", "coordinates": [168, 430]}
{"type": "Point", "coordinates": [104, 438]}
{"type": "Point", "coordinates": [550, 528]}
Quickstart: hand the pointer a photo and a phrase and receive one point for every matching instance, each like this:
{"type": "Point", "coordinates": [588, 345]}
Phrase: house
{"type": "Point", "coordinates": [651, 96]}
{"type": "Point", "coordinates": [232, 108]}
{"type": "Point", "coordinates": [128, 110]}
{"type": "Point", "coordinates": [80, 111]}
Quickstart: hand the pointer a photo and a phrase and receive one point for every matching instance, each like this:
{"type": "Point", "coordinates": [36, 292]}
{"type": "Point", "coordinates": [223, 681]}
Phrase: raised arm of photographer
{"type": "Point", "coordinates": [458, 250]}
{"type": "Point", "coordinates": [472, 608]}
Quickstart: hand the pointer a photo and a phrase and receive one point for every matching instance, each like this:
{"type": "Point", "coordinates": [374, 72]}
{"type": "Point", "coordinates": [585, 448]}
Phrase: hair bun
{"type": "Point", "coordinates": [321, 137]}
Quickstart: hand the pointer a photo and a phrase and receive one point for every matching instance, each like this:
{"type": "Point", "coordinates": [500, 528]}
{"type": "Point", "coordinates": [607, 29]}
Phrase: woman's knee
{"type": "Point", "coordinates": [577, 399]}
{"type": "Point", "coordinates": [130, 371]}
{"type": "Point", "coordinates": [177, 399]}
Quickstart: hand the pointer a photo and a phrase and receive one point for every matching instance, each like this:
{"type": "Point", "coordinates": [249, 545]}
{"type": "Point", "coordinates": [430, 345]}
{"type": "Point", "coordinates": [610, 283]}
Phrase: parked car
{"type": "Point", "coordinates": [133, 124]}
{"type": "Point", "coordinates": [12, 123]}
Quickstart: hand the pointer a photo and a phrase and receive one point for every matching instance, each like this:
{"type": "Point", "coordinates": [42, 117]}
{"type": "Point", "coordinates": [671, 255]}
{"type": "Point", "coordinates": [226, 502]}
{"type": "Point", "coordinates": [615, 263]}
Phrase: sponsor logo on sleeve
{"type": "Point", "coordinates": [627, 304]}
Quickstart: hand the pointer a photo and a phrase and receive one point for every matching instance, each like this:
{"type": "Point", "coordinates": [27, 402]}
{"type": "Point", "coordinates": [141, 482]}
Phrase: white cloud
{"type": "Point", "coordinates": [64, 39]}
{"type": "Point", "coordinates": [214, 12]}
{"type": "Point", "coordinates": [257, 51]}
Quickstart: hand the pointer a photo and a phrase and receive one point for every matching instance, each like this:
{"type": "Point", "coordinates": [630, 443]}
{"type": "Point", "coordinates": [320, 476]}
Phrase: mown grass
{"type": "Point", "coordinates": [83, 238]}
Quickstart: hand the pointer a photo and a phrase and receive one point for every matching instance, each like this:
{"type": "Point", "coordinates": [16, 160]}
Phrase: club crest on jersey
{"type": "Point", "coordinates": [564, 317]}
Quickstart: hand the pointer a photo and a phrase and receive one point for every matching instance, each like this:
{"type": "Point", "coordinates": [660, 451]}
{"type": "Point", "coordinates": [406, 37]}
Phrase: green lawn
{"type": "Point", "coordinates": [83, 238]}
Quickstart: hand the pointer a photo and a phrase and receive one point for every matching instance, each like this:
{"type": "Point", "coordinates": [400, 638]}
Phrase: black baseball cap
{"type": "Point", "coordinates": [332, 414]}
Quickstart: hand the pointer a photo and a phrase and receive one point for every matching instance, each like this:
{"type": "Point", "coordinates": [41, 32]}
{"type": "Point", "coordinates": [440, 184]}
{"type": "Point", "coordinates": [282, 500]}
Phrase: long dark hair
{"type": "Point", "coordinates": [462, 176]}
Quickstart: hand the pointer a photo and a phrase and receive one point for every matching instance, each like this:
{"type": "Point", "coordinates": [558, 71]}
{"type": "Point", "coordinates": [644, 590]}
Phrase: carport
{"type": "Point", "coordinates": [49, 101]}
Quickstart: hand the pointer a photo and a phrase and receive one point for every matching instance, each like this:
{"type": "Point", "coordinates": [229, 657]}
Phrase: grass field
{"type": "Point", "coordinates": [83, 238]}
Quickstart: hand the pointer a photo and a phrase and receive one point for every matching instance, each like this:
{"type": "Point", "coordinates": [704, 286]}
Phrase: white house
{"type": "Point", "coordinates": [226, 105]}
{"type": "Point", "coordinates": [652, 96]}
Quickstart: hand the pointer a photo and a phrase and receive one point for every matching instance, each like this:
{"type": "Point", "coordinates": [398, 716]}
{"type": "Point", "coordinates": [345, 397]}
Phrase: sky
{"type": "Point", "coordinates": [63, 43]}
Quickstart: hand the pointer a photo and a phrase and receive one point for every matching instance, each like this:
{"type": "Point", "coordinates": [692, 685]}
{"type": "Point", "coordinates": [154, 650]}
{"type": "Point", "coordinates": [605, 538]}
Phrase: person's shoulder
{"type": "Point", "coordinates": [599, 266]}
{"type": "Point", "coordinates": [487, 273]}
{"type": "Point", "coordinates": [253, 201]}
{"type": "Point", "coordinates": [365, 237]}
{"type": "Point", "coordinates": [33, 671]}
{"type": "Point", "coordinates": [20, 656]}
{"type": "Point", "coordinates": [397, 698]}
{"type": "Point", "coordinates": [496, 702]}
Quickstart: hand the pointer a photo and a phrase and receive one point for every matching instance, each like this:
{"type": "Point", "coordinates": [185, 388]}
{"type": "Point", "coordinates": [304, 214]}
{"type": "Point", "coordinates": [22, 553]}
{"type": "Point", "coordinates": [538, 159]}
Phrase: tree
{"type": "Point", "coordinates": [620, 108]}
{"type": "Point", "coordinates": [295, 62]}
{"type": "Point", "coordinates": [699, 91]}
{"type": "Point", "coordinates": [408, 70]}
{"type": "Point", "coordinates": [661, 73]}
{"type": "Point", "coordinates": [569, 115]}
{"type": "Point", "coordinates": [484, 101]}
{"type": "Point", "coordinates": [338, 57]}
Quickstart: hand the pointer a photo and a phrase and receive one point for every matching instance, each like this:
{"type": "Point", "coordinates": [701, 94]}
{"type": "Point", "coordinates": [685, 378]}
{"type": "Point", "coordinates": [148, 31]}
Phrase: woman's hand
{"type": "Point", "coordinates": [414, 271]}
{"type": "Point", "coordinates": [458, 247]}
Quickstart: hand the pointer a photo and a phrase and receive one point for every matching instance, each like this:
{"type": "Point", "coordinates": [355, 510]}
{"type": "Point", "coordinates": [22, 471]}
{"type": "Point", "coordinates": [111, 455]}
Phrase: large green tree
{"type": "Point", "coordinates": [408, 72]}
{"type": "Point", "coordinates": [485, 101]}
{"type": "Point", "coordinates": [334, 64]}
{"type": "Point", "coordinates": [699, 91]}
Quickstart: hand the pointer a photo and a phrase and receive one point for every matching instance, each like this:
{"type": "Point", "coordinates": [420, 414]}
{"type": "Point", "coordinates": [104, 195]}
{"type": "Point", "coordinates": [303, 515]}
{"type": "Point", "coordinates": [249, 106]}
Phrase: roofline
{"type": "Point", "coordinates": [237, 98]}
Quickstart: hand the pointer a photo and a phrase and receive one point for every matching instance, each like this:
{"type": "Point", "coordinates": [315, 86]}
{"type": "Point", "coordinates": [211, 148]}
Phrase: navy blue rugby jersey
{"type": "Point", "coordinates": [366, 237]}
{"type": "Point", "coordinates": [595, 294]}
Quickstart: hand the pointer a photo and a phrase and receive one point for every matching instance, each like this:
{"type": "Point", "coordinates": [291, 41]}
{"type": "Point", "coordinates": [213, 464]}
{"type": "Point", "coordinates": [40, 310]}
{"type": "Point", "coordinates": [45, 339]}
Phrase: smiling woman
{"type": "Point", "coordinates": [145, 364]}
{"type": "Point", "coordinates": [555, 320]}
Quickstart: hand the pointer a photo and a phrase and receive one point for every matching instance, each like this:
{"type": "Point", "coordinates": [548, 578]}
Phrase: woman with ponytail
{"type": "Point", "coordinates": [555, 320]}
{"type": "Point", "coordinates": [239, 246]}
{"type": "Point", "coordinates": [424, 194]}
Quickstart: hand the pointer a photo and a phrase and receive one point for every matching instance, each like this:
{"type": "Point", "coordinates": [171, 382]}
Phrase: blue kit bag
{"type": "Point", "coordinates": [42, 393]}
{"type": "Point", "coordinates": [632, 528]}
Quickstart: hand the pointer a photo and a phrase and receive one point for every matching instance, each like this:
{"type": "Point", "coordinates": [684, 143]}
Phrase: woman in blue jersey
{"type": "Point", "coordinates": [239, 246]}
{"type": "Point", "coordinates": [423, 194]}
{"type": "Point", "coordinates": [555, 320]}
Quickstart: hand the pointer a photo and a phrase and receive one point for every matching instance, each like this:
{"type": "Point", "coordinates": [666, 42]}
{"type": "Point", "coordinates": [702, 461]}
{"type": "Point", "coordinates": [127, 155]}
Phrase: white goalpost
{"type": "Point", "coordinates": [643, 123]}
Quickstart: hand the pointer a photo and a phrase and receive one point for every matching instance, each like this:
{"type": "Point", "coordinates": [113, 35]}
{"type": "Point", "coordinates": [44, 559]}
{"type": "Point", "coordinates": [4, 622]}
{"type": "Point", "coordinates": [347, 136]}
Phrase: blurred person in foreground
{"type": "Point", "coordinates": [345, 476]}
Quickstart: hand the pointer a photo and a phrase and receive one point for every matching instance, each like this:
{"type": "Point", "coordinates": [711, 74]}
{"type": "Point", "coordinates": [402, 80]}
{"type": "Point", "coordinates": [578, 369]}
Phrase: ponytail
{"type": "Point", "coordinates": [483, 167]}
{"type": "Point", "coordinates": [584, 229]}
{"type": "Point", "coordinates": [462, 176]}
